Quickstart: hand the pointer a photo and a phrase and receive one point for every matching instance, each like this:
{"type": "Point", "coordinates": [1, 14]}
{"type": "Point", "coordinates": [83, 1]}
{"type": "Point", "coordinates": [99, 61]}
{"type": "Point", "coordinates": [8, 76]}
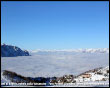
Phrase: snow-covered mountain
{"type": "Point", "coordinates": [91, 50]}
{"type": "Point", "coordinates": [68, 51]}
{"type": "Point", "coordinates": [11, 51]}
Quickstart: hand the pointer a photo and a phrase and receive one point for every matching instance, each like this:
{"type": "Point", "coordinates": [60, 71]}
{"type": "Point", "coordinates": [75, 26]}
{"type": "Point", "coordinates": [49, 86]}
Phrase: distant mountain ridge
{"type": "Point", "coordinates": [12, 51]}
{"type": "Point", "coordinates": [71, 51]}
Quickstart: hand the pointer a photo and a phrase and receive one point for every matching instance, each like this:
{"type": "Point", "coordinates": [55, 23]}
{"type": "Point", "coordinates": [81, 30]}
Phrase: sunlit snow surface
{"type": "Point", "coordinates": [54, 64]}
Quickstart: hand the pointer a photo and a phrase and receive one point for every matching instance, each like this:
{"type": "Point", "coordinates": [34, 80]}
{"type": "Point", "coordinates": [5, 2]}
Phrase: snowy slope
{"type": "Point", "coordinates": [3, 79]}
{"type": "Point", "coordinates": [95, 80]}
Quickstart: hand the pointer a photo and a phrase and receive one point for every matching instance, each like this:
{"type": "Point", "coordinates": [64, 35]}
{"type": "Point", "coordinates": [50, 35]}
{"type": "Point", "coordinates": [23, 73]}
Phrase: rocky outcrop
{"type": "Point", "coordinates": [12, 51]}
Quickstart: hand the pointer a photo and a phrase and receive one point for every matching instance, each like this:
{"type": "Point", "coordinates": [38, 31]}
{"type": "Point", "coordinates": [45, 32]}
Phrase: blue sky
{"type": "Point", "coordinates": [55, 25]}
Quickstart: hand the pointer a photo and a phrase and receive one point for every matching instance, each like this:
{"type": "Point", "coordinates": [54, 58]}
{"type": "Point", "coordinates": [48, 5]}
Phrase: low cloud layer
{"type": "Point", "coordinates": [55, 64]}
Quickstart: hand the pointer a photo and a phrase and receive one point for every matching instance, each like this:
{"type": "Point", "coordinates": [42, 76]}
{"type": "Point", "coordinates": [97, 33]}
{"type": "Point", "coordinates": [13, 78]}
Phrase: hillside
{"type": "Point", "coordinates": [12, 51]}
{"type": "Point", "coordinates": [94, 77]}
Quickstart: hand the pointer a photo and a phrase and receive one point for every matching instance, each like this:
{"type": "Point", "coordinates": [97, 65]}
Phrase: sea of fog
{"type": "Point", "coordinates": [54, 64]}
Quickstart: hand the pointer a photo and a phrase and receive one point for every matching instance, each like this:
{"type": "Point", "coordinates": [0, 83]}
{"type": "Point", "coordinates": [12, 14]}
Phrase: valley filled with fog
{"type": "Point", "coordinates": [56, 63]}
